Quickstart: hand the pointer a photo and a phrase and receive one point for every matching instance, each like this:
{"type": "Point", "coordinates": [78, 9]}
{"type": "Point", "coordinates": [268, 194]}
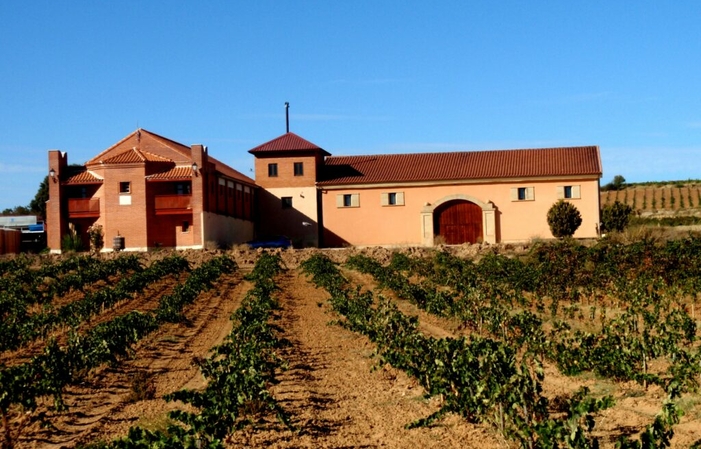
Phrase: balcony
{"type": "Point", "coordinates": [83, 207]}
{"type": "Point", "coordinates": [173, 204]}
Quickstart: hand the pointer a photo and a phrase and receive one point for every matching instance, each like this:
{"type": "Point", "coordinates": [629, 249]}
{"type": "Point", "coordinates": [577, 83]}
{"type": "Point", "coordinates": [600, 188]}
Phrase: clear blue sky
{"type": "Point", "coordinates": [362, 77]}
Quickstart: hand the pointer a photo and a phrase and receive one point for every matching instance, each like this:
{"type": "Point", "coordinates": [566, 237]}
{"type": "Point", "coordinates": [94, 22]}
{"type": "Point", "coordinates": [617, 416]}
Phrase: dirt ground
{"type": "Point", "coordinates": [337, 394]}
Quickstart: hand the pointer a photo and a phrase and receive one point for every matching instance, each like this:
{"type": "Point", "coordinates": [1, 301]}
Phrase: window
{"type": "Point", "coordinates": [522, 193]}
{"type": "Point", "coordinates": [286, 202]}
{"type": "Point", "coordinates": [272, 170]}
{"type": "Point", "coordinates": [186, 226]}
{"type": "Point", "coordinates": [125, 187]}
{"type": "Point", "coordinates": [299, 168]}
{"type": "Point", "coordinates": [182, 188]}
{"type": "Point", "coordinates": [568, 192]}
{"type": "Point", "coordinates": [348, 200]}
{"type": "Point", "coordinates": [392, 199]}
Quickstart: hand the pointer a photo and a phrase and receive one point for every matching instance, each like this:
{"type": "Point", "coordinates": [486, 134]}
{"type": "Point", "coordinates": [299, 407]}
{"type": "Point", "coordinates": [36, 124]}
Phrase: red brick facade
{"type": "Point", "coordinates": [152, 192]}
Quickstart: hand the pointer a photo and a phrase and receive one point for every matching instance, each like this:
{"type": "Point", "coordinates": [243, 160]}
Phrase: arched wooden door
{"type": "Point", "coordinates": [458, 222]}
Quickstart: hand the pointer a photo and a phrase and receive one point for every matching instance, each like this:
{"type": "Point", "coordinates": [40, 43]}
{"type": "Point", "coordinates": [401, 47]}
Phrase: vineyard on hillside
{"type": "Point", "coordinates": [556, 345]}
{"type": "Point", "coordinates": [657, 199]}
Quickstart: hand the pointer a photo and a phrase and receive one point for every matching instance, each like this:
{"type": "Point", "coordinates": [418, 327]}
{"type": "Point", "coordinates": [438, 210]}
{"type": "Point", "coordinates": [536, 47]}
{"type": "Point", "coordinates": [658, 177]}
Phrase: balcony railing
{"type": "Point", "coordinates": [173, 204]}
{"type": "Point", "coordinates": [83, 207]}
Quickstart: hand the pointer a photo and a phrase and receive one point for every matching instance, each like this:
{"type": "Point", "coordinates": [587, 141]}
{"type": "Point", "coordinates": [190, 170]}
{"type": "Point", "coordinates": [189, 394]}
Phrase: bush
{"type": "Point", "coordinates": [97, 239]}
{"type": "Point", "coordinates": [564, 219]}
{"type": "Point", "coordinates": [617, 184]}
{"type": "Point", "coordinates": [615, 217]}
{"type": "Point", "coordinates": [71, 242]}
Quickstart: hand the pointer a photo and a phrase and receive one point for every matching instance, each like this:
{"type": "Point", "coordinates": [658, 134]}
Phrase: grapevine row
{"type": "Point", "coordinates": [238, 374]}
{"type": "Point", "coordinates": [480, 379]}
{"type": "Point", "coordinates": [23, 329]}
{"type": "Point", "coordinates": [47, 374]}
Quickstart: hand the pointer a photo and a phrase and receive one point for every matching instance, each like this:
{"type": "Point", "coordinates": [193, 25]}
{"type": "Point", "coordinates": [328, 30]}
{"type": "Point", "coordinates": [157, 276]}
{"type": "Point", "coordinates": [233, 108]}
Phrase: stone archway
{"type": "Point", "coordinates": [457, 206]}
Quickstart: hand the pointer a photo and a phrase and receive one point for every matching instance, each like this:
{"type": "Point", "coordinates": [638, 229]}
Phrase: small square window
{"type": "Point", "coordinates": [182, 188]}
{"type": "Point", "coordinates": [522, 193]}
{"type": "Point", "coordinates": [299, 168]}
{"type": "Point", "coordinates": [392, 199]}
{"type": "Point", "coordinates": [125, 187]}
{"type": "Point", "coordinates": [272, 170]}
{"type": "Point", "coordinates": [348, 200]}
{"type": "Point", "coordinates": [569, 192]}
{"type": "Point", "coordinates": [286, 202]}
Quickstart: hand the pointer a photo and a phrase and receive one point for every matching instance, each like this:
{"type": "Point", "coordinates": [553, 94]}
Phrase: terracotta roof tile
{"type": "Point", "coordinates": [288, 142]}
{"type": "Point", "coordinates": [172, 174]}
{"type": "Point", "coordinates": [146, 141]}
{"type": "Point", "coordinates": [82, 177]}
{"type": "Point", "coordinates": [134, 156]}
{"type": "Point", "coordinates": [343, 170]}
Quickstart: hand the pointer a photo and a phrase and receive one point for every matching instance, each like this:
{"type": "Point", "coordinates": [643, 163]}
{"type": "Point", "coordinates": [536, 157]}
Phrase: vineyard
{"type": "Point", "coordinates": [552, 345]}
{"type": "Point", "coordinates": [679, 198]}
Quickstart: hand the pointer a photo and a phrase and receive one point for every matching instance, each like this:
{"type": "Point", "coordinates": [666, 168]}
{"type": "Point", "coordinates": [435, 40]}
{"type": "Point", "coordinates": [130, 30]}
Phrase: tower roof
{"type": "Point", "coordinates": [288, 143]}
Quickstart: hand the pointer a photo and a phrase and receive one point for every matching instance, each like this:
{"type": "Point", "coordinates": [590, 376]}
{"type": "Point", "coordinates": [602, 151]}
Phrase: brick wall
{"type": "Point", "coordinates": [125, 213]}
{"type": "Point", "coordinates": [285, 171]}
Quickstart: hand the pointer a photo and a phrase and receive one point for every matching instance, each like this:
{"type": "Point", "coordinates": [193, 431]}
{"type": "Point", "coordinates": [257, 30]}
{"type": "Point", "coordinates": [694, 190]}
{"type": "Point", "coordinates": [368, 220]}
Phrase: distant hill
{"type": "Point", "coordinates": [659, 199]}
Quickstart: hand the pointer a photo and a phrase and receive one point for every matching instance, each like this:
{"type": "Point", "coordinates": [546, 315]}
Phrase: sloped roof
{"type": "Point", "coordinates": [82, 177]}
{"type": "Point", "coordinates": [145, 146]}
{"type": "Point", "coordinates": [172, 174]}
{"type": "Point", "coordinates": [287, 143]}
{"type": "Point", "coordinates": [499, 164]}
{"type": "Point", "coordinates": [144, 142]}
{"type": "Point", "coordinates": [134, 155]}
{"type": "Point", "coordinates": [230, 172]}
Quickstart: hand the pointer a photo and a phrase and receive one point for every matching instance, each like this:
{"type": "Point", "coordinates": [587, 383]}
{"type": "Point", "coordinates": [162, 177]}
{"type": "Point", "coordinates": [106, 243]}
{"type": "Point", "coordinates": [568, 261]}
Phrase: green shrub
{"type": "Point", "coordinates": [72, 242]}
{"type": "Point", "coordinates": [564, 219]}
{"type": "Point", "coordinates": [615, 217]}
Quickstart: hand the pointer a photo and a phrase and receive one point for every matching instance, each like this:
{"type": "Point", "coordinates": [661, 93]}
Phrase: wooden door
{"type": "Point", "coordinates": [458, 222]}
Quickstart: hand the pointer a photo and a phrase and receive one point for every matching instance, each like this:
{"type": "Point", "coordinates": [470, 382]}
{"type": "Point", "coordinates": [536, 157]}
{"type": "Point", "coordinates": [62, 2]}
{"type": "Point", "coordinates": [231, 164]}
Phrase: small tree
{"type": "Point", "coordinates": [97, 239]}
{"type": "Point", "coordinates": [617, 184]}
{"type": "Point", "coordinates": [564, 219]}
{"type": "Point", "coordinates": [615, 217]}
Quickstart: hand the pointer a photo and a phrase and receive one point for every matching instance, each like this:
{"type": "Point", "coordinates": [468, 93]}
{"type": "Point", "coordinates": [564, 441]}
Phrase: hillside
{"type": "Point", "coordinates": [681, 198]}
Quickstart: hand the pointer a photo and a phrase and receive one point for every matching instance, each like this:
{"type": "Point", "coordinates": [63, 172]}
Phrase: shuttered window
{"type": "Point", "coordinates": [348, 200]}
{"type": "Point", "coordinates": [522, 193]}
{"type": "Point", "coordinates": [568, 192]}
{"type": "Point", "coordinates": [392, 199]}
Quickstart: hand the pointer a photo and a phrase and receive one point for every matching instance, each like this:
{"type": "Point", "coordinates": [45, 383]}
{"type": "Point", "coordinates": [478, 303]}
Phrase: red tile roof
{"type": "Point", "coordinates": [471, 165]}
{"type": "Point", "coordinates": [146, 146]}
{"type": "Point", "coordinates": [175, 173]}
{"type": "Point", "coordinates": [289, 142]}
{"type": "Point", "coordinates": [82, 177]}
{"type": "Point", "coordinates": [145, 141]}
{"type": "Point", "coordinates": [134, 156]}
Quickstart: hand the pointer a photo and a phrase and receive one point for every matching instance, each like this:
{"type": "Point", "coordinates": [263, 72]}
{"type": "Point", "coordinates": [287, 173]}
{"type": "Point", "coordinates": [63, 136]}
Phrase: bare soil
{"type": "Point", "coordinates": [336, 390]}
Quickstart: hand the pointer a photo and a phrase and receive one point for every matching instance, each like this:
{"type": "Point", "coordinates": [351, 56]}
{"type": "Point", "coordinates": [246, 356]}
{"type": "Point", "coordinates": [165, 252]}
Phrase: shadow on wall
{"type": "Point", "coordinates": [279, 219]}
{"type": "Point", "coordinates": [333, 240]}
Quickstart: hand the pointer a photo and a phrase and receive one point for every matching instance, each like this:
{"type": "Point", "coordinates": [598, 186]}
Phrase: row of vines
{"type": "Point", "coordinates": [655, 198]}
{"type": "Point", "coordinates": [238, 373]}
{"type": "Point", "coordinates": [45, 376]}
{"type": "Point", "coordinates": [608, 309]}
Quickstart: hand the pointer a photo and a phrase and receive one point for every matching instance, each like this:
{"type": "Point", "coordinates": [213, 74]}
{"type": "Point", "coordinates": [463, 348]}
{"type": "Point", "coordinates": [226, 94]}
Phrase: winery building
{"type": "Point", "coordinates": [155, 192]}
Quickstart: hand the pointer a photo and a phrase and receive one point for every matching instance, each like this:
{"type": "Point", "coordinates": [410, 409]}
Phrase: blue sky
{"type": "Point", "coordinates": [362, 77]}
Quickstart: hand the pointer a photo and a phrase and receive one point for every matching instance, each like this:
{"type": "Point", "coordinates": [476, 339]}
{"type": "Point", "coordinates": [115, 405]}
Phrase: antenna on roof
{"type": "Point", "coordinates": [287, 116]}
